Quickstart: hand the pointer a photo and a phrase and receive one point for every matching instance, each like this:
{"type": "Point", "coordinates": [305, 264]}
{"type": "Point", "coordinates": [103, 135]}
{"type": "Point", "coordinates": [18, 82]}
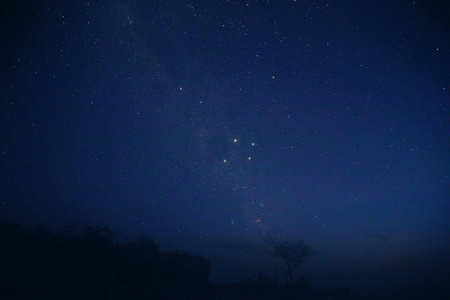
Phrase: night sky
{"type": "Point", "coordinates": [214, 125]}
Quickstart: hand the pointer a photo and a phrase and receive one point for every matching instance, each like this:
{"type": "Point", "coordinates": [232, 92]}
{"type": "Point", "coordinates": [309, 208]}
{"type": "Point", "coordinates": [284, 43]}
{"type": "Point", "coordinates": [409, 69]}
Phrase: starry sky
{"type": "Point", "coordinates": [214, 125]}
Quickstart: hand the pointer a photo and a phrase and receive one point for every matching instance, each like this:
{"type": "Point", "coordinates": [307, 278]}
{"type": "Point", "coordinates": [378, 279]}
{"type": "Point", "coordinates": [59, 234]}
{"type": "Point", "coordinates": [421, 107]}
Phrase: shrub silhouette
{"type": "Point", "coordinates": [36, 261]}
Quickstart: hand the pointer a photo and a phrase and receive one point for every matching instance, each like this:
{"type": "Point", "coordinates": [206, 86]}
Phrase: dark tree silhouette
{"type": "Point", "coordinates": [293, 253]}
{"type": "Point", "coordinates": [89, 264]}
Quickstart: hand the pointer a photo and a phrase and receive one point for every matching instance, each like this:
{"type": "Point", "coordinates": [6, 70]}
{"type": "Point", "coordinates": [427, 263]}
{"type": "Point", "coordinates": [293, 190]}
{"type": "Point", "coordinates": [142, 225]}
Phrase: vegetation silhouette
{"type": "Point", "coordinates": [37, 263]}
{"type": "Point", "coordinates": [293, 253]}
{"type": "Point", "coordinates": [87, 263]}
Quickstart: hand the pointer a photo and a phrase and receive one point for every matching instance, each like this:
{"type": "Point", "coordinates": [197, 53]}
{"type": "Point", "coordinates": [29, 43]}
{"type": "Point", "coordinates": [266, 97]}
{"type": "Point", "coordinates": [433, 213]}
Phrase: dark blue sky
{"type": "Point", "coordinates": [213, 125]}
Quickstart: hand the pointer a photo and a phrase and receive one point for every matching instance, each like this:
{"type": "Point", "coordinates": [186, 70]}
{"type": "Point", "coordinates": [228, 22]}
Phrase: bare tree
{"type": "Point", "coordinates": [292, 252]}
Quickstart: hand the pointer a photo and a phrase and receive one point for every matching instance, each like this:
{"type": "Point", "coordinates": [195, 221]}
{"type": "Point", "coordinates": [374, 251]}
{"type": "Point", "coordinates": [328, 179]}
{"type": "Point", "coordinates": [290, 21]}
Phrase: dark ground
{"type": "Point", "coordinates": [87, 264]}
